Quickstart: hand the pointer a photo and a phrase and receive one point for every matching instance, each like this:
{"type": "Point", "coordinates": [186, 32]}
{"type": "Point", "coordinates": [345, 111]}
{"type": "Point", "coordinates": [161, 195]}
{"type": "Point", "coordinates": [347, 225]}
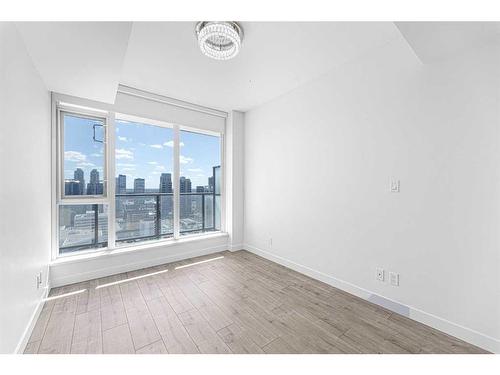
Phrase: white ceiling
{"type": "Point", "coordinates": [90, 59]}
{"type": "Point", "coordinates": [434, 41]}
{"type": "Point", "coordinates": [276, 57]}
{"type": "Point", "coordinates": [78, 58]}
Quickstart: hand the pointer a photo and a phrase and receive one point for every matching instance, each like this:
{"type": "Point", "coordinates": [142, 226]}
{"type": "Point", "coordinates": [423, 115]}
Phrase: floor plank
{"type": "Point", "coordinates": [142, 327]}
{"type": "Point", "coordinates": [173, 333]}
{"type": "Point", "coordinates": [155, 348]}
{"type": "Point", "coordinates": [117, 340]}
{"type": "Point", "coordinates": [202, 334]}
{"type": "Point", "coordinates": [87, 335]}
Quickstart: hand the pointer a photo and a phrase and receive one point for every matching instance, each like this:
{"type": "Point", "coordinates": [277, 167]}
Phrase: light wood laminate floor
{"type": "Point", "coordinates": [240, 303]}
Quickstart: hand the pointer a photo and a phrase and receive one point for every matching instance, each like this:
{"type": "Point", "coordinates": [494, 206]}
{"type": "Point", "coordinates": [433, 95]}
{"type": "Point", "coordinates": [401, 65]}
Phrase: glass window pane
{"type": "Point", "coordinates": [84, 155]}
{"type": "Point", "coordinates": [199, 186]}
{"type": "Point", "coordinates": [77, 227]}
{"type": "Point", "coordinates": [144, 191]}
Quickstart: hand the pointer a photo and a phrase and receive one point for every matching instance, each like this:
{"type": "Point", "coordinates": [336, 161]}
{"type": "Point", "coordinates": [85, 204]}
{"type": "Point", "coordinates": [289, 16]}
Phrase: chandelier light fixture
{"type": "Point", "coordinates": [220, 40]}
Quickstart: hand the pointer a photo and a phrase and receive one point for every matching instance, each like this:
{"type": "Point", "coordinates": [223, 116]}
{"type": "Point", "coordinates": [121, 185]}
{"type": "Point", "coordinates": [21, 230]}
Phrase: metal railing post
{"type": "Point", "coordinates": [203, 212]}
{"type": "Point", "coordinates": [96, 224]}
{"type": "Point", "coordinates": [158, 217]}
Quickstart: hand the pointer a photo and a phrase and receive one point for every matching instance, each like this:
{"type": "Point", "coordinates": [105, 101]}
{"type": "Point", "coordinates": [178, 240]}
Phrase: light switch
{"type": "Point", "coordinates": [394, 185]}
{"type": "Point", "coordinates": [394, 278]}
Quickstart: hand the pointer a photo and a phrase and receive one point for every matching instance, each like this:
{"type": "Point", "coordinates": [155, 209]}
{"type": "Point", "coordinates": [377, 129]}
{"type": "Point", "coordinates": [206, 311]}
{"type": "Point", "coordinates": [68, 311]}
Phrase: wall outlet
{"type": "Point", "coordinates": [39, 280]}
{"type": "Point", "coordinates": [394, 278]}
{"type": "Point", "coordinates": [394, 185]}
{"type": "Point", "coordinates": [380, 274]}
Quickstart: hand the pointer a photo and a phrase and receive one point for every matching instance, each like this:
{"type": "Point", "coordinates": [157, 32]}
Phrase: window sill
{"type": "Point", "coordinates": [124, 249]}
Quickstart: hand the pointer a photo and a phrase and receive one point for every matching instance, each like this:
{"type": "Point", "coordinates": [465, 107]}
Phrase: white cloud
{"type": "Point", "coordinates": [142, 144]}
{"type": "Point", "coordinates": [159, 168]}
{"type": "Point", "coordinates": [185, 160]}
{"type": "Point", "coordinates": [128, 169]}
{"type": "Point", "coordinates": [195, 170]}
{"type": "Point", "coordinates": [122, 153]}
{"type": "Point", "coordinates": [125, 165]}
{"type": "Point", "coordinates": [152, 162]}
{"type": "Point", "coordinates": [85, 164]}
{"type": "Point", "coordinates": [124, 139]}
{"type": "Point", "coordinates": [156, 146]}
{"type": "Point", "coordinates": [96, 155]}
{"type": "Point", "coordinates": [75, 156]}
{"type": "Point", "coordinates": [171, 144]}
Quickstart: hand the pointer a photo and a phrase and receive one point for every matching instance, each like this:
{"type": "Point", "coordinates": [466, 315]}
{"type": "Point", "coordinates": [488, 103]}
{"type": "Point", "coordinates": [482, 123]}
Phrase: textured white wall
{"type": "Point", "coordinates": [24, 188]}
{"type": "Point", "coordinates": [317, 167]}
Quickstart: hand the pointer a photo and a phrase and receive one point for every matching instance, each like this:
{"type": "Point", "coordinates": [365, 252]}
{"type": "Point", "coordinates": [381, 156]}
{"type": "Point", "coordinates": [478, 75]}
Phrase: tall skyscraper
{"type": "Point", "coordinates": [211, 184]}
{"type": "Point", "coordinates": [200, 189]}
{"type": "Point", "coordinates": [94, 187]}
{"type": "Point", "coordinates": [185, 200]}
{"type": "Point", "coordinates": [121, 184]}
{"type": "Point", "coordinates": [185, 185]}
{"type": "Point", "coordinates": [139, 185]}
{"type": "Point", "coordinates": [166, 183]}
{"type": "Point", "coordinates": [94, 176]}
{"type": "Point", "coordinates": [80, 178]}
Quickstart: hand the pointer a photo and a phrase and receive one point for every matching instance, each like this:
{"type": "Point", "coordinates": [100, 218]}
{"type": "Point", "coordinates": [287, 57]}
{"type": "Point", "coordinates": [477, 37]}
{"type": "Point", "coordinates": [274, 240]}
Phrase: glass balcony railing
{"type": "Point", "coordinates": [82, 226]}
{"type": "Point", "coordinates": [149, 216]}
{"type": "Point", "coordinates": [139, 217]}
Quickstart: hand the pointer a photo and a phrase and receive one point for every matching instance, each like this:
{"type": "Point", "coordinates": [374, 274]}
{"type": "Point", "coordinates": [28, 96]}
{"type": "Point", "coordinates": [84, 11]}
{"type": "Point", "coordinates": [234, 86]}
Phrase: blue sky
{"type": "Point", "coordinates": [142, 151]}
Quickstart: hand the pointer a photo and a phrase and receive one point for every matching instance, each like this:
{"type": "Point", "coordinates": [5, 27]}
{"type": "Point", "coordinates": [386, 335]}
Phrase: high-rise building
{"type": "Point", "coordinates": [94, 176]}
{"type": "Point", "coordinates": [166, 202]}
{"type": "Point", "coordinates": [71, 187]}
{"type": "Point", "coordinates": [139, 185]}
{"type": "Point", "coordinates": [185, 200]}
{"type": "Point", "coordinates": [200, 189]}
{"type": "Point", "coordinates": [80, 178]}
{"type": "Point", "coordinates": [86, 223]}
{"type": "Point", "coordinates": [211, 184]}
{"type": "Point", "coordinates": [121, 184]}
{"type": "Point", "coordinates": [94, 187]}
{"type": "Point", "coordinates": [185, 185]}
{"type": "Point", "coordinates": [166, 183]}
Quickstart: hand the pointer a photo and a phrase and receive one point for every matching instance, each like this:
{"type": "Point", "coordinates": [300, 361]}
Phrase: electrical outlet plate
{"type": "Point", "coordinates": [394, 278]}
{"type": "Point", "coordinates": [380, 274]}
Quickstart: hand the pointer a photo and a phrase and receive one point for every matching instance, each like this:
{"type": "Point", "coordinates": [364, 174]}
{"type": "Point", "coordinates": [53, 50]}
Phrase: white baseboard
{"type": "Point", "coordinates": [132, 266]}
{"type": "Point", "coordinates": [236, 247]}
{"type": "Point", "coordinates": [476, 338]}
{"type": "Point", "coordinates": [31, 324]}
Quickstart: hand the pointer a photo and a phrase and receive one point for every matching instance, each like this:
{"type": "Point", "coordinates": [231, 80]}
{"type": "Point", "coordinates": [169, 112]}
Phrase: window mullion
{"type": "Point", "coordinates": [111, 182]}
{"type": "Point", "coordinates": [176, 182]}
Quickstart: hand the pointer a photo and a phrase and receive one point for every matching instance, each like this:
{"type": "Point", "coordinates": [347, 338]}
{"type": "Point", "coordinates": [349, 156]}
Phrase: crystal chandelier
{"type": "Point", "coordinates": [220, 40]}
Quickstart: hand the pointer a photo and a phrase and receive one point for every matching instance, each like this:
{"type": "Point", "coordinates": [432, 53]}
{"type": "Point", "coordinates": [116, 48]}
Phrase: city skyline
{"type": "Point", "coordinates": [141, 151]}
{"type": "Point", "coordinates": [95, 185]}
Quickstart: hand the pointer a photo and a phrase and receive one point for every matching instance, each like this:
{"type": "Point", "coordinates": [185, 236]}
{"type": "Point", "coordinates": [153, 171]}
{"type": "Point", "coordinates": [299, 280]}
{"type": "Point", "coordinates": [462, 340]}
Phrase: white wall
{"type": "Point", "coordinates": [234, 178]}
{"type": "Point", "coordinates": [24, 188]}
{"type": "Point", "coordinates": [317, 167]}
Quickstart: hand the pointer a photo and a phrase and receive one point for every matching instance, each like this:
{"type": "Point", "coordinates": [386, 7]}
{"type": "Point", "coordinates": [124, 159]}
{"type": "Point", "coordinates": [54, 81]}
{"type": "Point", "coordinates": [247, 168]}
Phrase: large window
{"type": "Point", "coordinates": [84, 157]}
{"type": "Point", "coordinates": [166, 183]}
{"type": "Point", "coordinates": [199, 182]}
{"type": "Point", "coordinates": [82, 216]}
{"type": "Point", "coordinates": [144, 190]}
